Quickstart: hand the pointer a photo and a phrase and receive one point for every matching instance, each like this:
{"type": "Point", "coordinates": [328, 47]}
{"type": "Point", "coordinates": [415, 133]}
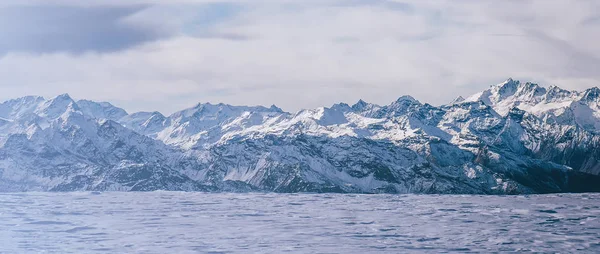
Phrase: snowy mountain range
{"type": "Point", "coordinates": [512, 138]}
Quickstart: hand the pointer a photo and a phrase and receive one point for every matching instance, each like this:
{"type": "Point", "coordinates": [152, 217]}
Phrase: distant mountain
{"type": "Point", "coordinates": [512, 138]}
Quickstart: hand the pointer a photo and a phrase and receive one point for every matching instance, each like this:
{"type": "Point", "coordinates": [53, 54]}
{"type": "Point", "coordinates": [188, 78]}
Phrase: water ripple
{"type": "Point", "coordinates": [175, 222]}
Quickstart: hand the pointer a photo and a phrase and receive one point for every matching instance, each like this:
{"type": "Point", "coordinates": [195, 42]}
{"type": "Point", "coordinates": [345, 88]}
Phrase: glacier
{"type": "Point", "coordinates": [513, 138]}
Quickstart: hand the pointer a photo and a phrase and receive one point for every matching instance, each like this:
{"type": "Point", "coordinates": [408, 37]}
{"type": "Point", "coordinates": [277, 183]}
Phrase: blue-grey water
{"type": "Point", "coordinates": [176, 222]}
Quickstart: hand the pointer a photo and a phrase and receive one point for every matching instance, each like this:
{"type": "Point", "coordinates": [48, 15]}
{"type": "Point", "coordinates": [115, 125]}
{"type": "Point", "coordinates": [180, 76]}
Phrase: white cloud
{"type": "Point", "coordinates": [300, 54]}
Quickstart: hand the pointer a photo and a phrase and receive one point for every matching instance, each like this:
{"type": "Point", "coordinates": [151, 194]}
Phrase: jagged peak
{"type": "Point", "coordinates": [200, 104]}
{"type": "Point", "coordinates": [514, 91]}
{"type": "Point", "coordinates": [366, 109]}
{"type": "Point", "coordinates": [341, 104]}
{"type": "Point", "coordinates": [341, 107]}
{"type": "Point", "coordinates": [199, 107]}
{"type": "Point", "coordinates": [507, 83]}
{"type": "Point", "coordinates": [63, 100]}
{"type": "Point", "coordinates": [594, 89]}
{"type": "Point", "coordinates": [505, 89]}
{"type": "Point", "coordinates": [146, 113]}
{"type": "Point", "coordinates": [360, 102]}
{"type": "Point", "coordinates": [110, 124]}
{"type": "Point", "coordinates": [156, 113]}
{"type": "Point", "coordinates": [58, 105]}
{"type": "Point", "coordinates": [101, 103]}
{"type": "Point", "coordinates": [554, 93]}
{"type": "Point", "coordinates": [528, 86]}
{"type": "Point", "coordinates": [64, 96]}
{"type": "Point", "coordinates": [511, 86]}
{"type": "Point", "coordinates": [29, 98]}
{"type": "Point", "coordinates": [360, 105]}
{"type": "Point", "coordinates": [101, 109]}
{"type": "Point", "coordinates": [591, 94]}
{"type": "Point", "coordinates": [474, 108]}
{"type": "Point", "coordinates": [407, 98]}
{"type": "Point", "coordinates": [530, 90]}
{"type": "Point", "coordinates": [471, 104]}
{"type": "Point", "coordinates": [19, 107]}
{"type": "Point", "coordinates": [323, 115]}
{"type": "Point", "coordinates": [276, 109]}
{"type": "Point", "coordinates": [201, 110]}
{"type": "Point", "coordinates": [219, 106]}
{"type": "Point", "coordinates": [458, 99]}
{"type": "Point", "coordinates": [555, 88]}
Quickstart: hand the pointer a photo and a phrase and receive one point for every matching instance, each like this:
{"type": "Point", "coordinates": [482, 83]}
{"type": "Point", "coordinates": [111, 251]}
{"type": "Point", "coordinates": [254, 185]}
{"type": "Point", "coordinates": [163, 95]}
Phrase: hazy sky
{"type": "Point", "coordinates": [170, 54]}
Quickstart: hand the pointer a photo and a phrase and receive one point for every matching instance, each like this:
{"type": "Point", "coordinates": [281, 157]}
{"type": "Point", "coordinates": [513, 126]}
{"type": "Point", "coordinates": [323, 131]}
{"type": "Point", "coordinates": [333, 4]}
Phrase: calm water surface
{"type": "Point", "coordinates": [174, 222]}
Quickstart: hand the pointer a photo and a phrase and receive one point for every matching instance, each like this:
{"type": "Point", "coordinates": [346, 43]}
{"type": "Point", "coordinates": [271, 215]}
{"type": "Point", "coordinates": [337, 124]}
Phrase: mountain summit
{"type": "Point", "coordinates": [512, 138]}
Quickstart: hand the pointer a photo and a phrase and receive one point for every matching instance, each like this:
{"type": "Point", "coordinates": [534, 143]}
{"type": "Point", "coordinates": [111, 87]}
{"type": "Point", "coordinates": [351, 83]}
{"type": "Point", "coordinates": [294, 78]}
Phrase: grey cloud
{"type": "Point", "coordinates": [594, 20]}
{"type": "Point", "coordinates": [44, 29]}
{"type": "Point", "coordinates": [295, 54]}
{"type": "Point", "coordinates": [577, 63]}
{"type": "Point", "coordinates": [223, 36]}
{"type": "Point", "coordinates": [392, 5]}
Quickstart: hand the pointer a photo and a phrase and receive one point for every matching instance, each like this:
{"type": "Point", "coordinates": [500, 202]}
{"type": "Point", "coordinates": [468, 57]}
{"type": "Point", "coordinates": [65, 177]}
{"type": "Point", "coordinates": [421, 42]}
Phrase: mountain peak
{"type": "Point", "coordinates": [359, 105]}
{"type": "Point", "coordinates": [101, 110]}
{"type": "Point", "coordinates": [407, 98]}
{"type": "Point", "coordinates": [509, 81]}
{"type": "Point", "coordinates": [458, 99]}
{"type": "Point", "coordinates": [156, 113]}
{"type": "Point", "coordinates": [366, 109]}
{"type": "Point", "coordinates": [276, 109]}
{"type": "Point", "coordinates": [591, 94]}
{"type": "Point", "coordinates": [57, 106]}
{"type": "Point", "coordinates": [64, 96]}
{"type": "Point", "coordinates": [60, 100]}
{"type": "Point", "coordinates": [28, 98]}
{"type": "Point", "coordinates": [405, 146]}
{"type": "Point", "coordinates": [200, 105]}
{"type": "Point", "coordinates": [530, 90]}
{"type": "Point", "coordinates": [341, 107]}
{"type": "Point", "coordinates": [594, 89]}
{"type": "Point", "coordinates": [16, 108]}
{"type": "Point", "coordinates": [507, 87]}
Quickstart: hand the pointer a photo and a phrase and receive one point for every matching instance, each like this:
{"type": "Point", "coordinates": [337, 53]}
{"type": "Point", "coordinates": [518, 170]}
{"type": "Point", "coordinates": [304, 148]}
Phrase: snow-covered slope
{"type": "Point", "coordinates": [101, 110]}
{"type": "Point", "coordinates": [63, 148]}
{"type": "Point", "coordinates": [511, 138]}
{"type": "Point", "coordinates": [551, 104]}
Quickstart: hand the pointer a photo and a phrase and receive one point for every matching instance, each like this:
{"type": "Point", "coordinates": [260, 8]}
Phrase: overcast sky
{"type": "Point", "coordinates": [167, 55]}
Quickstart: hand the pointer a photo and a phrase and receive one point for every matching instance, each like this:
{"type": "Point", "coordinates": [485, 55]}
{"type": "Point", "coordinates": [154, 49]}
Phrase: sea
{"type": "Point", "coordinates": [181, 222]}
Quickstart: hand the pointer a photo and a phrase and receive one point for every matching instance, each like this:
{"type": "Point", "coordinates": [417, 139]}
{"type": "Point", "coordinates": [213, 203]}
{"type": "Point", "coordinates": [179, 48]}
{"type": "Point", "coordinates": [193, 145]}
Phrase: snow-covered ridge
{"type": "Point", "coordinates": [514, 137]}
{"type": "Point", "coordinates": [578, 108]}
